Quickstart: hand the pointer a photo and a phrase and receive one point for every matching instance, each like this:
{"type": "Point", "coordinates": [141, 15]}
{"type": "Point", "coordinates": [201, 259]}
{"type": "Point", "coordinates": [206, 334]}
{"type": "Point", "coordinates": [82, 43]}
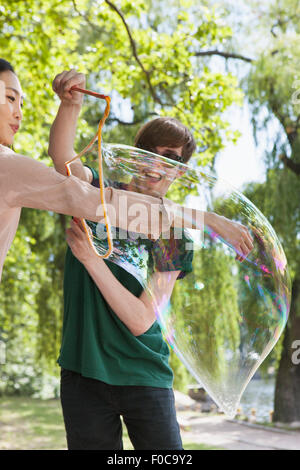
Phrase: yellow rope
{"type": "Point", "coordinates": [101, 181]}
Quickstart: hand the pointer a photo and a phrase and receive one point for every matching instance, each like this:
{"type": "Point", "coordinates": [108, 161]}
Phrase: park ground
{"type": "Point", "coordinates": [27, 423]}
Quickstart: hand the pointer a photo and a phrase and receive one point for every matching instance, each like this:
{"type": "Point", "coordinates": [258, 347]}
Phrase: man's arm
{"type": "Point", "coordinates": [137, 313]}
{"type": "Point", "coordinates": [234, 233]}
{"type": "Point", "coordinates": [63, 129]}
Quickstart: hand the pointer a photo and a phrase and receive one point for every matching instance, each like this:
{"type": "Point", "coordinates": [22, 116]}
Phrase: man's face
{"type": "Point", "coordinates": [156, 177]}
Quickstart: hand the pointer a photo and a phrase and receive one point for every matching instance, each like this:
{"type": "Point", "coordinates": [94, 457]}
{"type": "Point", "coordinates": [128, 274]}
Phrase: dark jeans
{"type": "Point", "coordinates": [92, 411]}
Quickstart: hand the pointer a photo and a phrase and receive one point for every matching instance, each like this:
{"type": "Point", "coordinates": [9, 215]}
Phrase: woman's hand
{"type": "Point", "coordinates": [79, 244]}
{"type": "Point", "coordinates": [63, 83]}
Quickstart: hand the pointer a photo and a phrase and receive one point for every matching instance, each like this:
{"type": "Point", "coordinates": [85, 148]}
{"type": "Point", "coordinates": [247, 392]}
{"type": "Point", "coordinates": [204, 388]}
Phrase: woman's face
{"type": "Point", "coordinates": [10, 107]}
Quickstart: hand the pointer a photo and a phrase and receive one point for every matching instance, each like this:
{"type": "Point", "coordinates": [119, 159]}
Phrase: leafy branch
{"type": "Point", "coordinates": [227, 55]}
{"type": "Point", "coordinates": [86, 18]}
{"type": "Point", "coordinates": [282, 22]}
{"type": "Point", "coordinates": [132, 123]}
{"type": "Point", "coordinates": [134, 51]}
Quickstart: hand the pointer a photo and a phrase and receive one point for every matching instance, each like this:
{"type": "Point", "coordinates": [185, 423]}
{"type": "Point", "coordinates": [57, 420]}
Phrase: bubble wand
{"type": "Point", "coordinates": [101, 181]}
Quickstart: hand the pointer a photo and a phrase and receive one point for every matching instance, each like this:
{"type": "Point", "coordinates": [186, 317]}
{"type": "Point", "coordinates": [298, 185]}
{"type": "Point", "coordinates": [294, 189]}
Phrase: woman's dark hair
{"type": "Point", "coordinates": [166, 132]}
{"type": "Point", "coordinates": [5, 66]}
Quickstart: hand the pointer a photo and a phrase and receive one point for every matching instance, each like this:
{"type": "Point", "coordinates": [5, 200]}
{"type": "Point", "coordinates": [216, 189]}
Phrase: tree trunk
{"type": "Point", "coordinates": [287, 389]}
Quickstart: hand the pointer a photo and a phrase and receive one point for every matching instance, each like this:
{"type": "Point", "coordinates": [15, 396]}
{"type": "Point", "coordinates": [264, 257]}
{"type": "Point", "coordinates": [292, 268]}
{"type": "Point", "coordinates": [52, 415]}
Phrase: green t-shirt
{"type": "Point", "coordinates": [96, 343]}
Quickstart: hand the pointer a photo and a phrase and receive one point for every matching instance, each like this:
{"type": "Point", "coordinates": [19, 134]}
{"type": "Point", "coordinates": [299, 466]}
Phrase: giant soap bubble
{"type": "Point", "coordinates": [225, 313]}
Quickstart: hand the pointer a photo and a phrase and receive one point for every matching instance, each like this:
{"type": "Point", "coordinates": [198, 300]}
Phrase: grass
{"type": "Point", "coordinates": [27, 423]}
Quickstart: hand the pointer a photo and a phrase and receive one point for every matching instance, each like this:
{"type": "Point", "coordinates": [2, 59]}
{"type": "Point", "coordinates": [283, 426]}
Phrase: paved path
{"type": "Point", "coordinates": [217, 430]}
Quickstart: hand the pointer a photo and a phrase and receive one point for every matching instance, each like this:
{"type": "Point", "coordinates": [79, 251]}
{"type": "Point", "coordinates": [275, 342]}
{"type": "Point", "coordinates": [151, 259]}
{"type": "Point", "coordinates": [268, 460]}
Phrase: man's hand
{"type": "Point", "coordinates": [79, 244]}
{"type": "Point", "coordinates": [235, 234]}
{"type": "Point", "coordinates": [63, 83]}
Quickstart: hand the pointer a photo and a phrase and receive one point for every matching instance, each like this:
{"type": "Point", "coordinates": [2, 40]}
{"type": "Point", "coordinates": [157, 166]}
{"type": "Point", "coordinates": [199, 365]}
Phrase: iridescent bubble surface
{"type": "Point", "coordinates": [225, 312]}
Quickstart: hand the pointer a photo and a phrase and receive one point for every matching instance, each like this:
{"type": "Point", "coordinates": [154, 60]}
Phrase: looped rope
{"type": "Point", "coordinates": [101, 181]}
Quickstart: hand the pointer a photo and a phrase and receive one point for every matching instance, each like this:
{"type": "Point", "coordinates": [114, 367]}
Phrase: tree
{"type": "Point", "coordinates": [272, 85]}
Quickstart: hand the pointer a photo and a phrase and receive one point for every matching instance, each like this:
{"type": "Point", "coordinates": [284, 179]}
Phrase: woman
{"type": "Point", "coordinates": [25, 182]}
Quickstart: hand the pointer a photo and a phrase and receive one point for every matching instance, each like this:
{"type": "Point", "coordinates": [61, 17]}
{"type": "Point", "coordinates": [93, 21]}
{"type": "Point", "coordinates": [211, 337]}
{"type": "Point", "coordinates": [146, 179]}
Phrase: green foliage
{"type": "Point", "coordinates": [182, 378]}
{"type": "Point", "coordinates": [273, 86]}
{"type": "Point", "coordinates": [39, 38]}
{"type": "Point", "coordinates": [274, 83]}
{"type": "Point", "coordinates": [207, 315]}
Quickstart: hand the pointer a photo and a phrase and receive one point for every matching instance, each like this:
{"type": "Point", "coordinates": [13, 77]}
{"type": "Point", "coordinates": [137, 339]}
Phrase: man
{"type": "Point", "coordinates": [113, 357]}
